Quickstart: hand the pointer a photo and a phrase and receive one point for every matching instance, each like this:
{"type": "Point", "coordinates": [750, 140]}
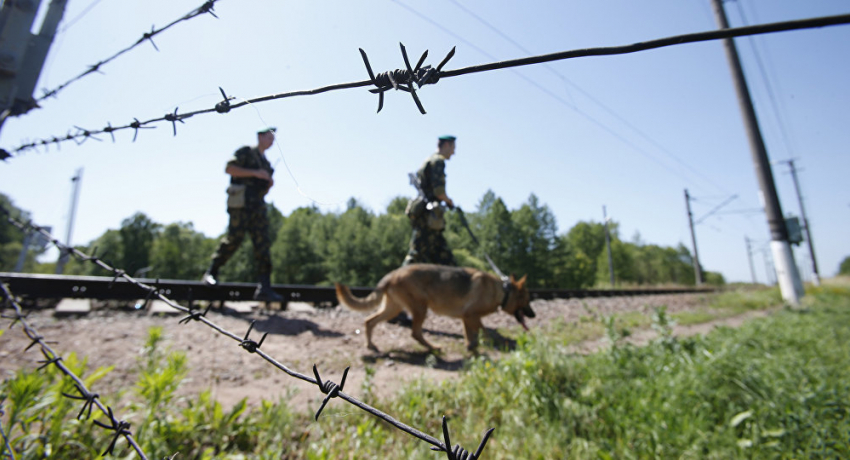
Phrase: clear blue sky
{"type": "Point", "coordinates": [629, 132]}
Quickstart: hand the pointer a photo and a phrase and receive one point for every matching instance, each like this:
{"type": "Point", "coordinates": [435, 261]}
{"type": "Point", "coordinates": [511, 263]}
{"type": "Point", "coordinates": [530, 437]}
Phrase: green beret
{"type": "Point", "coordinates": [269, 129]}
{"type": "Point", "coordinates": [447, 138]}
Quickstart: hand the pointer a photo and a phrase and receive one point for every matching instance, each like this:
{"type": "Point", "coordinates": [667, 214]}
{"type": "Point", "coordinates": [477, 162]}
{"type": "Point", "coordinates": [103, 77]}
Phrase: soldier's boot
{"type": "Point", "coordinates": [210, 277]}
{"type": "Point", "coordinates": [265, 292]}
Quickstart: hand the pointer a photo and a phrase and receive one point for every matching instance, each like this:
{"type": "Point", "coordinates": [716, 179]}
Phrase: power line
{"type": "Point", "coordinates": [420, 76]}
{"type": "Point", "coordinates": [780, 119]}
{"type": "Point", "coordinates": [593, 99]}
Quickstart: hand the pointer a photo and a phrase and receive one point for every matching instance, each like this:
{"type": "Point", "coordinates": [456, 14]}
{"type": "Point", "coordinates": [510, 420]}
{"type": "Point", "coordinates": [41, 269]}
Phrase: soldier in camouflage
{"type": "Point", "coordinates": [250, 180]}
{"type": "Point", "coordinates": [427, 244]}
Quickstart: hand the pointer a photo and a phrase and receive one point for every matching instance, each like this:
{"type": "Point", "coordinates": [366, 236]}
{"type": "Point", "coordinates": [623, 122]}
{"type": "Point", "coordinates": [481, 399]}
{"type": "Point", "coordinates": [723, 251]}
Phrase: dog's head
{"type": "Point", "coordinates": [518, 303]}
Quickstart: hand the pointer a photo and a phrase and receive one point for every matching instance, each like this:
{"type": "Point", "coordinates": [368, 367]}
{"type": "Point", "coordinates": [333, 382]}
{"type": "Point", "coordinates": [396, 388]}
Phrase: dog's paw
{"type": "Point", "coordinates": [372, 347]}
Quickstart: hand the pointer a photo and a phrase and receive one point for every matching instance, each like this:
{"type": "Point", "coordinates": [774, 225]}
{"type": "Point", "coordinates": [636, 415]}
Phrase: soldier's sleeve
{"type": "Point", "coordinates": [438, 177]}
{"type": "Point", "coordinates": [240, 157]}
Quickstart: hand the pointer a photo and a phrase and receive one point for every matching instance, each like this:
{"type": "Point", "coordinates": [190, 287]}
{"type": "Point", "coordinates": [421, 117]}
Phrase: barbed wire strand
{"type": "Point", "coordinates": [207, 7]}
{"type": "Point", "coordinates": [327, 387]}
{"type": "Point", "coordinates": [405, 79]}
{"type": "Point", "coordinates": [11, 453]}
{"type": "Point", "coordinates": [120, 427]}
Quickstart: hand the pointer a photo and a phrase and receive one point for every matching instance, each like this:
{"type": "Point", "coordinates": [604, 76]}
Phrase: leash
{"type": "Point", "coordinates": [506, 282]}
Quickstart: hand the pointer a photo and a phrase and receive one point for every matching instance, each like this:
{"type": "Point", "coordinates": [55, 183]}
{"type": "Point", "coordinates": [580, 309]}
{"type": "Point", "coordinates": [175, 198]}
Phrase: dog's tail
{"type": "Point", "coordinates": [368, 303]}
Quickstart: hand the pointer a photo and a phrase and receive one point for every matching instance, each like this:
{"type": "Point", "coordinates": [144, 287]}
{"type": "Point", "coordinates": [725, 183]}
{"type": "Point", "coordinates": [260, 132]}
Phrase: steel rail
{"type": "Point", "coordinates": [36, 287]}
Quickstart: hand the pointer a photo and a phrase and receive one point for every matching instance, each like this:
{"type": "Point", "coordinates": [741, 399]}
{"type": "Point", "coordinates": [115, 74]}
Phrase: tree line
{"type": "Point", "coordinates": [357, 246]}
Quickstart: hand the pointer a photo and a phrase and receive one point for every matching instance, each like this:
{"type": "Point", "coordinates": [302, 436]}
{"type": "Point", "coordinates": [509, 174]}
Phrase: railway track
{"type": "Point", "coordinates": [31, 289]}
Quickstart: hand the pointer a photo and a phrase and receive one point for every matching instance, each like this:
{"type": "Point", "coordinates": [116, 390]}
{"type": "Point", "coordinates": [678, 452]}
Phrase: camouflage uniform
{"type": "Point", "coordinates": [426, 244]}
{"type": "Point", "coordinates": [252, 218]}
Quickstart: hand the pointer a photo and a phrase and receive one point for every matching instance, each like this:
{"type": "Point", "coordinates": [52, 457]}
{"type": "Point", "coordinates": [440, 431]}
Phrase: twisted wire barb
{"type": "Point", "coordinates": [404, 80]}
{"type": "Point", "coordinates": [207, 7]}
{"type": "Point", "coordinates": [327, 387]}
{"type": "Point", "coordinates": [120, 427]}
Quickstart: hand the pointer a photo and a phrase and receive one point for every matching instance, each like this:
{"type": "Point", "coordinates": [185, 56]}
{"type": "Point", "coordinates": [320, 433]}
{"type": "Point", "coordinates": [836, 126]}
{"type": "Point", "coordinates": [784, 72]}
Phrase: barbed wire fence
{"type": "Point", "coordinates": [120, 427]}
{"type": "Point", "coordinates": [411, 77]}
{"type": "Point", "coordinates": [327, 387]}
{"type": "Point", "coordinates": [207, 7]}
{"type": "Point", "coordinates": [406, 80]}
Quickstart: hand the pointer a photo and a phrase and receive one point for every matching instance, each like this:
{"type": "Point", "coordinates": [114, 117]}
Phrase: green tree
{"type": "Point", "coordinates": [844, 268]}
{"type": "Point", "coordinates": [295, 252]}
{"type": "Point", "coordinates": [12, 238]}
{"type": "Point", "coordinates": [535, 233]}
{"type": "Point", "coordinates": [179, 252]}
{"type": "Point", "coordinates": [391, 236]}
{"type": "Point", "coordinates": [137, 236]}
{"type": "Point", "coordinates": [351, 256]}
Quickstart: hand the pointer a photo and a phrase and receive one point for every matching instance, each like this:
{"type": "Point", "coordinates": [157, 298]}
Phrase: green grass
{"type": "Point", "coordinates": [774, 388]}
{"type": "Point", "coordinates": [777, 387]}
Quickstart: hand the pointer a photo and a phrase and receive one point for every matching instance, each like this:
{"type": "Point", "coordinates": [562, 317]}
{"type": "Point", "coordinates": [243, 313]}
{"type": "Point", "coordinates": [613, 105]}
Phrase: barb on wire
{"type": "Point", "coordinates": [120, 427]}
{"type": "Point", "coordinates": [207, 7]}
{"type": "Point", "coordinates": [329, 389]}
{"type": "Point", "coordinates": [89, 402]}
{"type": "Point", "coordinates": [396, 79]}
{"type": "Point", "coordinates": [405, 79]}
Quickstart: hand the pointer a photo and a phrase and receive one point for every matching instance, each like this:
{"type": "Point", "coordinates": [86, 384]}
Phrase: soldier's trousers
{"type": "Point", "coordinates": [255, 222]}
{"type": "Point", "coordinates": [428, 246]}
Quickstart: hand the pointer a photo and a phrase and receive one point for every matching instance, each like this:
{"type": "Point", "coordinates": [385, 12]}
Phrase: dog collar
{"type": "Point", "coordinates": [506, 286]}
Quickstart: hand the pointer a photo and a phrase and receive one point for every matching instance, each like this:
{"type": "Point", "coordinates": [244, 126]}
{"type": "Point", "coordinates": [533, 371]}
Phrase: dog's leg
{"type": "Point", "coordinates": [389, 309]}
{"type": "Point", "coordinates": [416, 329]}
{"type": "Point", "coordinates": [471, 326]}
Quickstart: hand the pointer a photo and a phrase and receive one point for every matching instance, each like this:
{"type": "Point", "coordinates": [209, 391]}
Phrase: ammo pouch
{"type": "Point", "coordinates": [236, 196]}
{"type": "Point", "coordinates": [434, 216]}
{"type": "Point", "coordinates": [415, 208]}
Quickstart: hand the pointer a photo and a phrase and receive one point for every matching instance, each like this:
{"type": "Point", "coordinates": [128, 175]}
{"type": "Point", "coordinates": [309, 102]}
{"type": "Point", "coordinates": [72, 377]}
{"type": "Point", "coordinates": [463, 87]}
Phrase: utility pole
{"type": "Point", "coordinates": [608, 245]}
{"type": "Point", "coordinates": [697, 268]}
{"type": "Point", "coordinates": [75, 195]}
{"type": "Point", "coordinates": [786, 270]}
{"type": "Point", "coordinates": [750, 259]}
{"type": "Point", "coordinates": [815, 273]}
{"type": "Point", "coordinates": [22, 54]}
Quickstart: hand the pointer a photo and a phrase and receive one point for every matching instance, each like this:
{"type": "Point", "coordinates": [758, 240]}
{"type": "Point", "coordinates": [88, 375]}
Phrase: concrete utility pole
{"type": "Point", "coordinates": [63, 256]}
{"type": "Point", "coordinates": [815, 273]}
{"type": "Point", "coordinates": [786, 270]}
{"type": "Point", "coordinates": [750, 259]}
{"type": "Point", "coordinates": [608, 245]}
{"type": "Point", "coordinates": [22, 54]}
{"type": "Point", "coordinates": [697, 268]}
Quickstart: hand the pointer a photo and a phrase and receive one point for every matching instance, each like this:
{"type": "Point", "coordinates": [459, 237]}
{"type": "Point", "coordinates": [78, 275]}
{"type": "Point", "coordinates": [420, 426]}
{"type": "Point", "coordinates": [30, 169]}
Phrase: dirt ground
{"type": "Point", "coordinates": [302, 336]}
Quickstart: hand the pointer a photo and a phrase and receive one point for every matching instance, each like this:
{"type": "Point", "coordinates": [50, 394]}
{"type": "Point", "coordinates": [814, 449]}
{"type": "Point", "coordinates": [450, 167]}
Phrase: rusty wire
{"type": "Point", "coordinates": [207, 7]}
{"type": "Point", "coordinates": [404, 79]}
{"type": "Point", "coordinates": [119, 427]}
{"type": "Point", "coordinates": [328, 388]}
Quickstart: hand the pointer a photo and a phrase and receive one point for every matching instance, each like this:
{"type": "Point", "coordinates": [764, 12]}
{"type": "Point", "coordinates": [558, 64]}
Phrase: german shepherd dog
{"type": "Point", "coordinates": [458, 292]}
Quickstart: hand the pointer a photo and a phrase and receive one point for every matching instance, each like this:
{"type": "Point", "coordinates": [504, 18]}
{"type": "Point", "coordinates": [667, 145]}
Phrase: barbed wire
{"type": "Point", "coordinates": [327, 387]}
{"type": "Point", "coordinates": [405, 79]}
{"type": "Point", "coordinates": [207, 7]}
{"type": "Point", "coordinates": [120, 427]}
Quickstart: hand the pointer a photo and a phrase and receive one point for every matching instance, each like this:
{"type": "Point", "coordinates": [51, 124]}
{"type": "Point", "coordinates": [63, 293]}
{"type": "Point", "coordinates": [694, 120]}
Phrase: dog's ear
{"type": "Point", "coordinates": [522, 280]}
{"type": "Point", "coordinates": [513, 280]}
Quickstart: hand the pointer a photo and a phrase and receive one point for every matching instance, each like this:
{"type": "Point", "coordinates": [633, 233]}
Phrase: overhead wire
{"type": "Point", "coordinates": [603, 106]}
{"type": "Point", "coordinates": [771, 96]}
{"type": "Point", "coordinates": [547, 91]}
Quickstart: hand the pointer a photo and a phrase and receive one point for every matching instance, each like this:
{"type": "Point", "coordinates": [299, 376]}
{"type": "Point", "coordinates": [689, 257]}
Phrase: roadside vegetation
{"type": "Point", "coordinates": [358, 246]}
{"type": "Point", "coordinates": [775, 387]}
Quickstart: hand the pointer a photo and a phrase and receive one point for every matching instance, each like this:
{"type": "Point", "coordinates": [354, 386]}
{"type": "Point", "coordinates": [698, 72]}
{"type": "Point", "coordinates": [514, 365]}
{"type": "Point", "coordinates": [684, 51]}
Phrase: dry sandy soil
{"type": "Point", "coordinates": [302, 336]}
